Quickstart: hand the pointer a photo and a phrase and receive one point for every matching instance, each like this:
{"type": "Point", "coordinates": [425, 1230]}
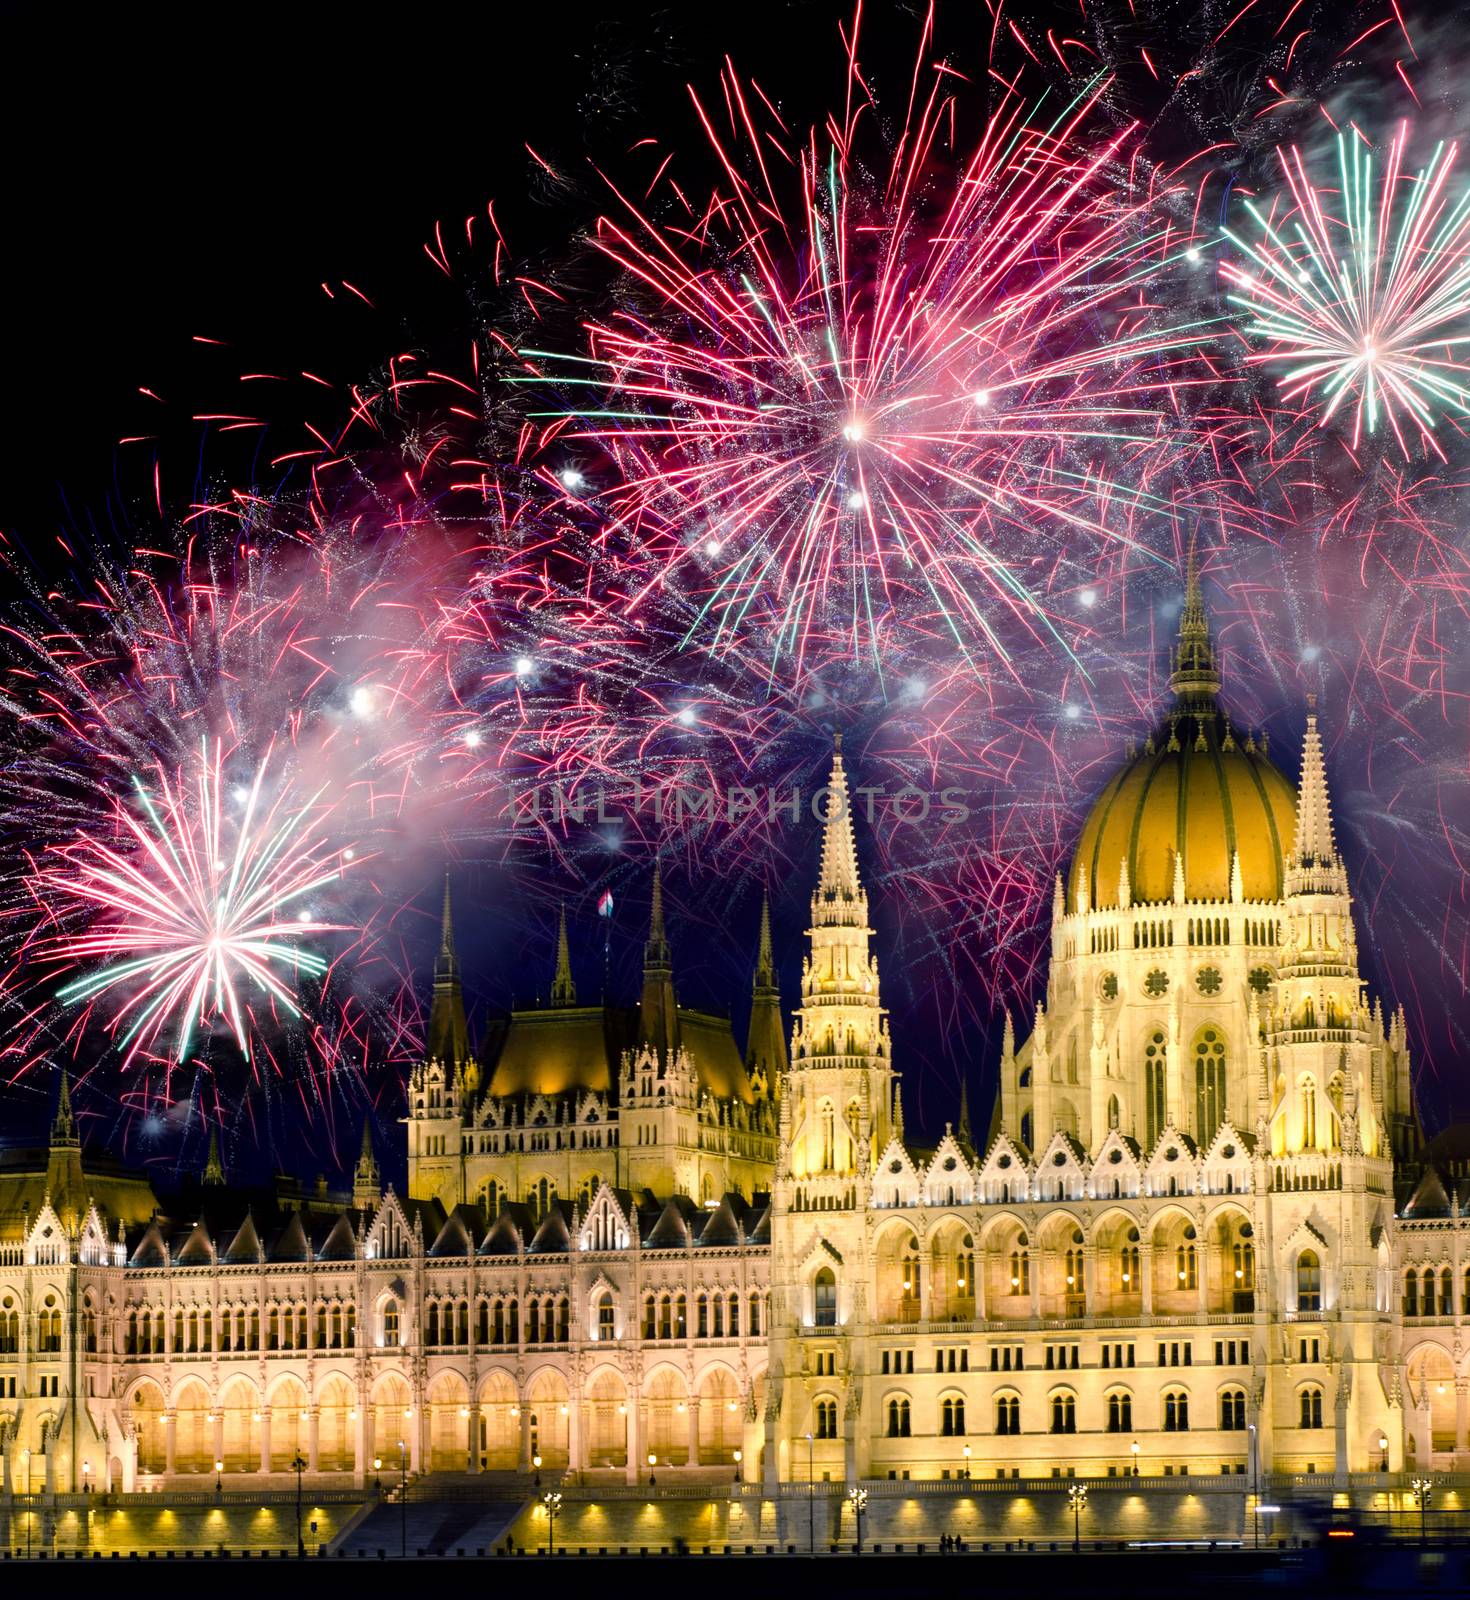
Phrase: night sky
{"type": "Point", "coordinates": [202, 174]}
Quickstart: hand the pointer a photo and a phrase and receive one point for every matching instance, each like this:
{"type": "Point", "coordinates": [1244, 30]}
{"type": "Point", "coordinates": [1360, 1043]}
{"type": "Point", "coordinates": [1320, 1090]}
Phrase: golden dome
{"type": "Point", "coordinates": [1196, 790]}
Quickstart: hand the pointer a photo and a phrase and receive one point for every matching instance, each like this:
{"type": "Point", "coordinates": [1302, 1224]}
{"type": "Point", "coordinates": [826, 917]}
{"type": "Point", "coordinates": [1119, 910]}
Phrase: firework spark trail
{"type": "Point", "coordinates": [878, 404]}
{"type": "Point", "coordinates": [1360, 295]}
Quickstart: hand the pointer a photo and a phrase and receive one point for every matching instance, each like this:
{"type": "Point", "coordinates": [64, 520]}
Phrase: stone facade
{"type": "Point", "coordinates": [629, 1249]}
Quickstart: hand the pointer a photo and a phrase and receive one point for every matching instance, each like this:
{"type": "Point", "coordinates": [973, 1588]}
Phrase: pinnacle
{"type": "Point", "coordinates": [838, 881]}
{"type": "Point", "coordinates": [1314, 843]}
{"type": "Point", "coordinates": [563, 988]}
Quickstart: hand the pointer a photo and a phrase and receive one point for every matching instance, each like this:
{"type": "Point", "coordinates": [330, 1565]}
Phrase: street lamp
{"type": "Point", "coordinates": [298, 1466]}
{"type": "Point", "coordinates": [811, 1497]}
{"type": "Point", "coordinates": [1424, 1489]}
{"type": "Point", "coordinates": [1076, 1498]}
{"type": "Point", "coordinates": [403, 1499]}
{"type": "Point", "coordinates": [966, 1454]}
{"type": "Point", "coordinates": [219, 1468]}
{"type": "Point", "coordinates": [378, 1473]}
{"type": "Point", "coordinates": [858, 1498]}
{"type": "Point", "coordinates": [1135, 1458]}
{"type": "Point", "coordinates": [652, 1463]}
{"type": "Point", "coordinates": [1383, 1452]}
{"type": "Point", "coordinates": [552, 1502]}
{"type": "Point", "coordinates": [536, 1462]}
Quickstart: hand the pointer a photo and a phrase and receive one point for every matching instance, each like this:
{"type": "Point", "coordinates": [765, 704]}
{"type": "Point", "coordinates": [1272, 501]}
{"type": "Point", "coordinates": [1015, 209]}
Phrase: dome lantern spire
{"type": "Point", "coordinates": [1196, 676]}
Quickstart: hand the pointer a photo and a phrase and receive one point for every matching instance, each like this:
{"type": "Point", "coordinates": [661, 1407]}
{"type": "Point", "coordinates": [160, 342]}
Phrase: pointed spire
{"type": "Point", "coordinates": [658, 1012]}
{"type": "Point", "coordinates": [563, 989]}
{"type": "Point", "coordinates": [1314, 844]}
{"type": "Point", "coordinates": [1179, 894]}
{"type": "Point", "coordinates": [962, 1127]}
{"type": "Point", "coordinates": [214, 1167]}
{"type": "Point", "coordinates": [367, 1185]}
{"type": "Point", "coordinates": [63, 1126]}
{"type": "Point", "coordinates": [1196, 677]}
{"type": "Point", "coordinates": [1125, 887]}
{"type": "Point", "coordinates": [765, 968]}
{"type": "Point", "coordinates": [839, 900]}
{"type": "Point", "coordinates": [64, 1179]}
{"type": "Point", "coordinates": [449, 1034]}
{"type": "Point", "coordinates": [1008, 1040]}
{"type": "Point", "coordinates": [765, 1050]}
{"type": "Point", "coordinates": [1237, 880]}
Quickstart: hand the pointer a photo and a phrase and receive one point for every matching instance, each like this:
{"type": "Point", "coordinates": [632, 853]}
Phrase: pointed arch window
{"type": "Point", "coordinates": [1153, 1088]}
{"type": "Point", "coordinates": [1209, 1084]}
{"type": "Point", "coordinates": [1309, 1115]}
{"type": "Point", "coordinates": [1308, 1281]}
{"type": "Point", "coordinates": [827, 1120]}
{"type": "Point", "coordinates": [824, 1298]}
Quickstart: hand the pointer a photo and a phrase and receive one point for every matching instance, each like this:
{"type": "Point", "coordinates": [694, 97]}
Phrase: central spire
{"type": "Point", "coordinates": [563, 987]}
{"type": "Point", "coordinates": [838, 900]}
{"type": "Point", "coordinates": [1196, 676]}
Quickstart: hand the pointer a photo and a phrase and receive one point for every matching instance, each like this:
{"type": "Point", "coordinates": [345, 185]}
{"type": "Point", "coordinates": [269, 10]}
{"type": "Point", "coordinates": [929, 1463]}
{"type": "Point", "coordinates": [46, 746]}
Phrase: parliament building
{"type": "Point", "coordinates": [1201, 1233]}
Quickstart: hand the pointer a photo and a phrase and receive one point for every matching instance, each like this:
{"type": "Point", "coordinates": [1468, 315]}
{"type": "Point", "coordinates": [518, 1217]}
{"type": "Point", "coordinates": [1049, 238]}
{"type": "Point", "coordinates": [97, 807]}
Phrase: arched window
{"type": "Point", "coordinates": [431, 1337]}
{"type": "Point", "coordinates": [1311, 1407]}
{"type": "Point", "coordinates": [909, 1265]}
{"type": "Point", "coordinates": [1232, 1411]}
{"type": "Point", "coordinates": [606, 1329]}
{"type": "Point", "coordinates": [1153, 1088]}
{"type": "Point", "coordinates": [1245, 1267]}
{"type": "Point", "coordinates": [734, 1316]}
{"type": "Point", "coordinates": [1411, 1293]}
{"type": "Point", "coordinates": [701, 1316]}
{"type": "Point", "coordinates": [1130, 1280]}
{"type": "Point", "coordinates": [1007, 1414]}
{"type": "Point", "coordinates": [1120, 1413]}
{"type": "Point", "coordinates": [390, 1324]}
{"type": "Point", "coordinates": [1020, 1272]}
{"type": "Point", "coordinates": [1064, 1413]}
{"type": "Point", "coordinates": [680, 1316]}
{"type": "Point", "coordinates": [1209, 1085]}
{"type": "Point", "coordinates": [1114, 1111]}
{"type": "Point", "coordinates": [952, 1418]}
{"type": "Point", "coordinates": [1427, 1302]}
{"type": "Point", "coordinates": [1186, 1267]}
{"type": "Point", "coordinates": [1026, 1126]}
{"type": "Point", "coordinates": [1309, 1115]}
{"type": "Point", "coordinates": [826, 1419]}
{"type": "Point", "coordinates": [1308, 1281]}
{"type": "Point", "coordinates": [898, 1418]}
{"type": "Point", "coordinates": [755, 1316]}
{"type": "Point", "coordinates": [827, 1118]}
{"type": "Point", "coordinates": [824, 1298]}
{"type": "Point", "coordinates": [1446, 1293]}
{"type": "Point", "coordinates": [1176, 1412]}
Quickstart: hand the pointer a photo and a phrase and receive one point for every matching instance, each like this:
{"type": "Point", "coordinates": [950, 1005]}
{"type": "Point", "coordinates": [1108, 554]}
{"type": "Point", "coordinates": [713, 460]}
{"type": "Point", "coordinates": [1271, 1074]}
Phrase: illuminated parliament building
{"type": "Point", "coordinates": [1201, 1233]}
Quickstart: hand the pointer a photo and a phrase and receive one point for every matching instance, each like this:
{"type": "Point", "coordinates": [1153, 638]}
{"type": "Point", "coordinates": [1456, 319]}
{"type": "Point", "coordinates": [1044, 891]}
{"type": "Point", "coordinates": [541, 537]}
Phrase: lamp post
{"type": "Point", "coordinates": [403, 1499]}
{"type": "Point", "coordinates": [1135, 1458]}
{"type": "Point", "coordinates": [965, 1470]}
{"type": "Point", "coordinates": [378, 1473]}
{"type": "Point", "coordinates": [298, 1466]}
{"type": "Point", "coordinates": [1383, 1452]}
{"type": "Point", "coordinates": [811, 1497]}
{"type": "Point", "coordinates": [1076, 1498]}
{"type": "Point", "coordinates": [1424, 1489]}
{"type": "Point", "coordinates": [219, 1468]}
{"type": "Point", "coordinates": [739, 1457]}
{"type": "Point", "coordinates": [25, 1461]}
{"type": "Point", "coordinates": [858, 1499]}
{"type": "Point", "coordinates": [536, 1463]}
{"type": "Point", "coordinates": [652, 1463]}
{"type": "Point", "coordinates": [552, 1502]}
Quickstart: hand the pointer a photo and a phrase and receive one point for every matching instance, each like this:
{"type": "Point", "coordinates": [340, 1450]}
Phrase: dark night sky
{"type": "Point", "coordinates": [202, 171]}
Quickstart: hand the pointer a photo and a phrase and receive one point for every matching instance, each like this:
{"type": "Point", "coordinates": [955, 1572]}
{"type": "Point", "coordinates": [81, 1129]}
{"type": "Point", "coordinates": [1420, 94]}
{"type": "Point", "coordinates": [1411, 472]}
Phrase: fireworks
{"type": "Point", "coordinates": [861, 410]}
{"type": "Point", "coordinates": [1361, 295]}
{"type": "Point", "coordinates": [203, 900]}
{"type": "Point", "coordinates": [899, 423]}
